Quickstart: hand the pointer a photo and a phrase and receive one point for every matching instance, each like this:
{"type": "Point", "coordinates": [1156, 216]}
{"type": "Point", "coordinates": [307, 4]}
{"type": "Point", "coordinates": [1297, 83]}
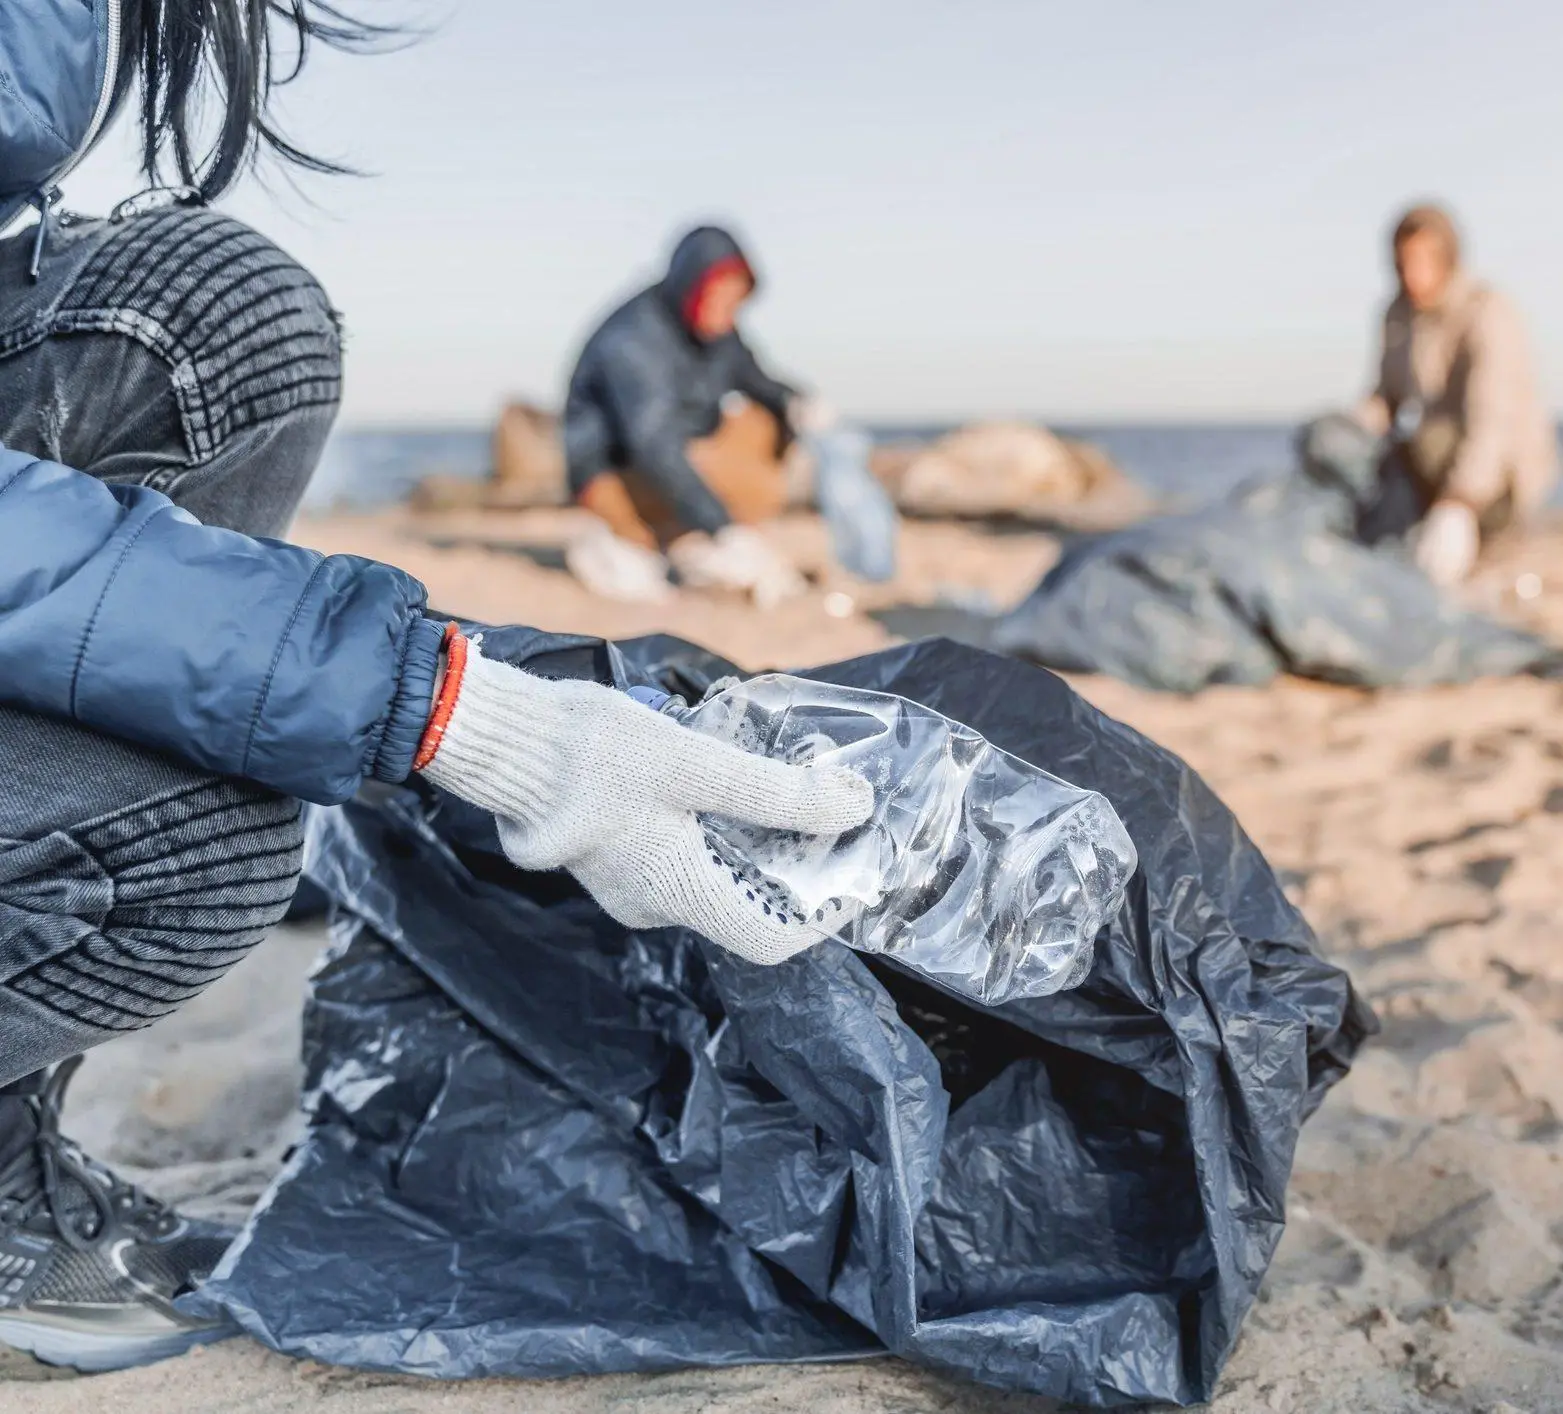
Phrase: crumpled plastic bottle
{"type": "Point", "coordinates": [976, 869]}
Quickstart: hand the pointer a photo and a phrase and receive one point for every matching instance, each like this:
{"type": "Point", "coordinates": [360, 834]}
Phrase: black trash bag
{"type": "Point", "coordinates": [543, 1145]}
{"type": "Point", "coordinates": [1306, 575]}
{"type": "Point", "coordinates": [310, 903]}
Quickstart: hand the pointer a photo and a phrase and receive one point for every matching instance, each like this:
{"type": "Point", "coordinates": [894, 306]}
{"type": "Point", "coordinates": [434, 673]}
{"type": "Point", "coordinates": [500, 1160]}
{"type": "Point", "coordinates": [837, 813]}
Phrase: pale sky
{"type": "Point", "coordinates": [1120, 209]}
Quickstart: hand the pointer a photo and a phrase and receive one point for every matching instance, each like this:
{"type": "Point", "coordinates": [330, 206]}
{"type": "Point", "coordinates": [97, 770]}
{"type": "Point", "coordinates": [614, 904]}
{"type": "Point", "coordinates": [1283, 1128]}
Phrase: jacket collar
{"type": "Point", "coordinates": [58, 62]}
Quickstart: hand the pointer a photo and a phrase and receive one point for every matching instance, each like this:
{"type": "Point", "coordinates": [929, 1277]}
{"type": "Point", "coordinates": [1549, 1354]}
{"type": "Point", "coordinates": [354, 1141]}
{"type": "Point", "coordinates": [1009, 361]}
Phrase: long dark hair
{"type": "Point", "coordinates": [233, 52]}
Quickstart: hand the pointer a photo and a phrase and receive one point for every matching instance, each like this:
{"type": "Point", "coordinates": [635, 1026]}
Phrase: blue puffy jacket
{"type": "Point", "coordinates": [245, 657]}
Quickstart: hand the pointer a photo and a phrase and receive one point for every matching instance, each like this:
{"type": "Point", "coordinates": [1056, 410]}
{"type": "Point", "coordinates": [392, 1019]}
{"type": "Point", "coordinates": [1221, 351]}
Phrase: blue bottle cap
{"type": "Point", "coordinates": [651, 697]}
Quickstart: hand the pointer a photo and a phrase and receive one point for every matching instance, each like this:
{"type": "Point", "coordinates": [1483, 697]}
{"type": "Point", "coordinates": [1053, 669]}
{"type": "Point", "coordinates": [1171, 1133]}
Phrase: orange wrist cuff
{"type": "Point", "coordinates": [456, 647]}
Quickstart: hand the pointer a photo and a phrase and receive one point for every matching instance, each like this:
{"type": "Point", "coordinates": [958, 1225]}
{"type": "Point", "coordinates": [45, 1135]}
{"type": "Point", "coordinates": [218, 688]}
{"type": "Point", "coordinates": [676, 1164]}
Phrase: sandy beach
{"type": "Point", "coordinates": [1420, 831]}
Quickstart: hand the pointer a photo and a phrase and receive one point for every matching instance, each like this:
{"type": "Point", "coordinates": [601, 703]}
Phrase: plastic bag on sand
{"type": "Point", "coordinates": [541, 1145]}
{"type": "Point", "coordinates": [1305, 575]}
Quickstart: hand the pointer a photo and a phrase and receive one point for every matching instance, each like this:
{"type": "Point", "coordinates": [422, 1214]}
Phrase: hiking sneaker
{"type": "Point", "coordinates": [89, 1264]}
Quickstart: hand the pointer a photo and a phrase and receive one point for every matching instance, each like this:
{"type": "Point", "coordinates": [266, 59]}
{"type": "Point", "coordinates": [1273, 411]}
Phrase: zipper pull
{"type": "Point", "coordinates": [45, 202]}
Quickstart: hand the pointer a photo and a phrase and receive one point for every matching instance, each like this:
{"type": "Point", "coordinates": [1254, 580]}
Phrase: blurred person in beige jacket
{"type": "Point", "coordinates": [1457, 394]}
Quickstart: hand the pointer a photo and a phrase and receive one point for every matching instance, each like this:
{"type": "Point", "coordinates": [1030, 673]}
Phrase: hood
{"type": "Point", "coordinates": [694, 257]}
{"type": "Point", "coordinates": [57, 66]}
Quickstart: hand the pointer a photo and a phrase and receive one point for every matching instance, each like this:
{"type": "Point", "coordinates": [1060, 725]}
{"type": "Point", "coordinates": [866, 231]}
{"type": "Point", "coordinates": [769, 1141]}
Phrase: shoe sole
{"type": "Point", "coordinates": [95, 1352]}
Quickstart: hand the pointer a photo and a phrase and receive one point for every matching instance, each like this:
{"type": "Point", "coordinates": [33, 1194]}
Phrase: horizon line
{"type": "Point", "coordinates": [1234, 420]}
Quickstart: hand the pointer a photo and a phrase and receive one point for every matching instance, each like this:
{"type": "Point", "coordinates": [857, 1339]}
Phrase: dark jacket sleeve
{"type": "Point", "coordinates": [644, 405]}
{"type": "Point", "coordinates": [771, 393]}
{"type": "Point", "coordinates": [303, 672]}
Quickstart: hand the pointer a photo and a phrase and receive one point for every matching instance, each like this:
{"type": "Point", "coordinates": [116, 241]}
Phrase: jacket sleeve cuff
{"type": "Point", "coordinates": [697, 506]}
{"type": "Point", "coordinates": [414, 698]}
{"type": "Point", "coordinates": [710, 519]}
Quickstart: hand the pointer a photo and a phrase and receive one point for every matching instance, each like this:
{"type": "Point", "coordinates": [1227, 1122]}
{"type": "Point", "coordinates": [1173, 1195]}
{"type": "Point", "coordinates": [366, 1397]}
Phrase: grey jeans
{"type": "Point", "coordinates": [176, 349]}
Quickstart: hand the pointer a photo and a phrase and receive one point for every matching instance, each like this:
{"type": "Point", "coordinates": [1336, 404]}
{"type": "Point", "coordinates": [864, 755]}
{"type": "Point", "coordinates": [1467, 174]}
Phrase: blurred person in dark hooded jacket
{"type": "Point", "coordinates": [675, 437]}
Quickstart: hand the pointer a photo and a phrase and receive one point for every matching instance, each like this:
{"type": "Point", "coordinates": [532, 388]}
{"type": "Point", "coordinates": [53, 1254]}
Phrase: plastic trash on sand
{"type": "Point", "coordinates": [541, 1144]}
{"type": "Point", "coordinates": [861, 516]}
{"type": "Point", "coordinates": [976, 869]}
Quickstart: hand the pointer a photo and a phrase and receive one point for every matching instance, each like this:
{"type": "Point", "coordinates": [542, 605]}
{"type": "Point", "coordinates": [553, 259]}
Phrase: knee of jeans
{"type": "Point", "coordinates": [248, 332]}
{"type": "Point", "coordinates": [195, 881]}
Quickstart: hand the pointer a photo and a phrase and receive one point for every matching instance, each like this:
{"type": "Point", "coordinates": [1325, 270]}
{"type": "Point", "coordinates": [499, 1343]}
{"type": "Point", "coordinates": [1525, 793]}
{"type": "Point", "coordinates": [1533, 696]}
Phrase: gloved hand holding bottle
{"type": "Point", "coordinates": [584, 778]}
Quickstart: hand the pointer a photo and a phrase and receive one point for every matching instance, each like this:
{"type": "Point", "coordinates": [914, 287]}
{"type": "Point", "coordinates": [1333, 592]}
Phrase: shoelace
{"type": "Point", "coordinates": [40, 1177]}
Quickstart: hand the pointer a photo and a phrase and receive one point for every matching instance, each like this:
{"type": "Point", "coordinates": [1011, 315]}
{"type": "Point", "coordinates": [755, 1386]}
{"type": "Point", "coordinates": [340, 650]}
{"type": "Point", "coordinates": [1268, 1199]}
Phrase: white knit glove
{"type": "Point", "coordinates": [811, 416]}
{"type": "Point", "coordinates": [736, 557]}
{"type": "Point", "coordinates": [585, 778]}
{"type": "Point", "coordinates": [1447, 542]}
{"type": "Point", "coordinates": [616, 568]}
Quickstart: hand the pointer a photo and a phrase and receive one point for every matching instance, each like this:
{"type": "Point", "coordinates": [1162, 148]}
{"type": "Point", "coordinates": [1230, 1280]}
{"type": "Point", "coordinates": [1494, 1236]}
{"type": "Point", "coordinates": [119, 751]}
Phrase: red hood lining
{"type": "Point", "coordinates": [727, 265]}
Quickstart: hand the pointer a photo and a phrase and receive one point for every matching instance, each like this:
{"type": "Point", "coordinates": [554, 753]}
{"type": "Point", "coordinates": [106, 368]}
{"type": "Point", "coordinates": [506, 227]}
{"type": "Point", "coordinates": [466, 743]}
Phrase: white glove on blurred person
{"type": "Point", "coordinates": [584, 778]}
{"type": "Point", "coordinates": [811, 415]}
{"type": "Point", "coordinates": [616, 568]}
{"type": "Point", "coordinates": [736, 557]}
{"type": "Point", "coordinates": [1447, 542]}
